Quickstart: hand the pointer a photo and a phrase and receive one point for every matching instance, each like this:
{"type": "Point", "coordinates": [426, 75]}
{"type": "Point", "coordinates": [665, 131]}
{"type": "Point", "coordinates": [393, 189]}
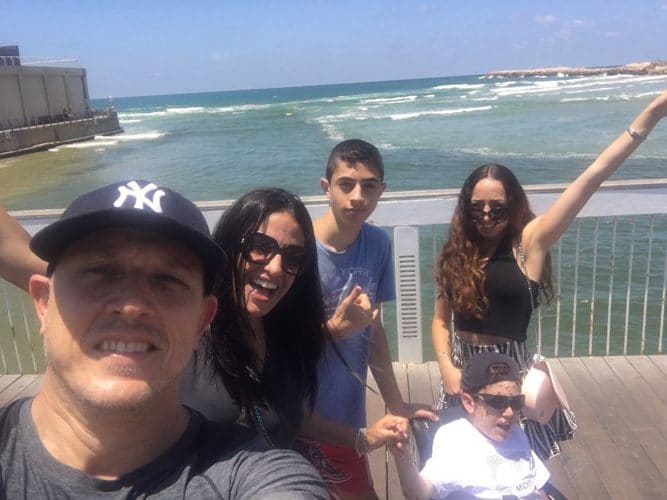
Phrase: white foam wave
{"type": "Point", "coordinates": [89, 144]}
{"type": "Point", "coordinates": [193, 110]}
{"type": "Point", "coordinates": [459, 86]}
{"type": "Point", "coordinates": [135, 120]}
{"type": "Point", "coordinates": [186, 111]}
{"type": "Point", "coordinates": [390, 100]}
{"type": "Point", "coordinates": [436, 112]}
{"type": "Point", "coordinates": [142, 136]}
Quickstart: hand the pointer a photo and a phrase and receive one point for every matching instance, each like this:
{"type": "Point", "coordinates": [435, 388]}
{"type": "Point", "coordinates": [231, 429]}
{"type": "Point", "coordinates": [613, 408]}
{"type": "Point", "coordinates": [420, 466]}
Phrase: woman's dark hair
{"type": "Point", "coordinates": [295, 328]}
{"type": "Point", "coordinates": [460, 267]}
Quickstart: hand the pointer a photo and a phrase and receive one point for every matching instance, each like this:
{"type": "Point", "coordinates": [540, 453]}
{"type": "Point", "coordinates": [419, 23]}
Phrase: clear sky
{"type": "Point", "coordinates": [142, 47]}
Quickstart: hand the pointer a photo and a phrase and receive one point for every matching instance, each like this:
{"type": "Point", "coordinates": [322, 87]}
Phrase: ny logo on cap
{"type": "Point", "coordinates": [140, 196]}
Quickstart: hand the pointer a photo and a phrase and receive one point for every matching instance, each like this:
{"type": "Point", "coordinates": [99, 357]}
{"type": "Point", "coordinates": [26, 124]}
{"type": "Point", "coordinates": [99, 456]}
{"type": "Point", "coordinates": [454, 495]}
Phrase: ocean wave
{"type": "Point", "coordinates": [459, 86]}
{"type": "Point", "coordinates": [456, 111]}
{"type": "Point", "coordinates": [142, 136]}
{"type": "Point", "coordinates": [193, 110]}
{"type": "Point", "coordinates": [187, 110]}
{"type": "Point", "coordinates": [134, 120]}
{"type": "Point", "coordinates": [390, 100]}
{"type": "Point", "coordinates": [494, 98]}
{"type": "Point", "coordinates": [332, 132]}
{"type": "Point", "coordinates": [87, 144]}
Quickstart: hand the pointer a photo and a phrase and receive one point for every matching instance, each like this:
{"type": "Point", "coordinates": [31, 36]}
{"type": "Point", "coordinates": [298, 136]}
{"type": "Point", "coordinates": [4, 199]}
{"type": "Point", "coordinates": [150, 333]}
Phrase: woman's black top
{"type": "Point", "coordinates": [507, 289]}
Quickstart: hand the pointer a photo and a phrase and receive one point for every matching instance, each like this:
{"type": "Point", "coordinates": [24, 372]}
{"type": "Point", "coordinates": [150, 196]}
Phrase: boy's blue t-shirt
{"type": "Point", "coordinates": [367, 263]}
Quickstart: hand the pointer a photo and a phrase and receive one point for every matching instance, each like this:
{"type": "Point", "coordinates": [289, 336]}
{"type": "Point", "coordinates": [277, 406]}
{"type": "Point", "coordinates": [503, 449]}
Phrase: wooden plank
{"type": "Point", "coordinates": [582, 480]}
{"type": "Point", "coordinates": [16, 389]}
{"type": "Point", "coordinates": [393, 484]}
{"type": "Point", "coordinates": [7, 380]}
{"type": "Point", "coordinates": [627, 430]}
{"type": "Point", "coordinates": [652, 411]}
{"type": "Point", "coordinates": [660, 361]}
{"type": "Point", "coordinates": [436, 380]}
{"type": "Point", "coordinates": [584, 395]}
{"type": "Point", "coordinates": [377, 461]}
{"type": "Point", "coordinates": [419, 384]}
{"type": "Point", "coordinates": [652, 373]}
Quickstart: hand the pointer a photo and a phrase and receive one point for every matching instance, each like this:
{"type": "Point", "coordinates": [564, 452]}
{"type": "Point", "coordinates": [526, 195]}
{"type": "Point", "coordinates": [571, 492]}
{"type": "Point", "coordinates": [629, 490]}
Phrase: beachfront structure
{"type": "Point", "coordinates": [45, 103]}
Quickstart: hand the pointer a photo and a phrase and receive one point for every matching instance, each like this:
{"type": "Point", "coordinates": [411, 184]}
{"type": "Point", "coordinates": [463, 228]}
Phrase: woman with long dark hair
{"type": "Point", "coordinates": [269, 331]}
{"type": "Point", "coordinates": [495, 266]}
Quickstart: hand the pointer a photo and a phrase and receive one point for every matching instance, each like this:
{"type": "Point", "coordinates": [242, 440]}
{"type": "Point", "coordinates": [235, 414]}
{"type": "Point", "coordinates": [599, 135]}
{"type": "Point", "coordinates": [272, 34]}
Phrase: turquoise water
{"type": "Point", "coordinates": [432, 132]}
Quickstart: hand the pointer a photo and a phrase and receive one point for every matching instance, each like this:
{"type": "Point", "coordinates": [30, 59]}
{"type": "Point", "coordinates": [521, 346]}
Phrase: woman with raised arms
{"type": "Point", "coordinates": [495, 265]}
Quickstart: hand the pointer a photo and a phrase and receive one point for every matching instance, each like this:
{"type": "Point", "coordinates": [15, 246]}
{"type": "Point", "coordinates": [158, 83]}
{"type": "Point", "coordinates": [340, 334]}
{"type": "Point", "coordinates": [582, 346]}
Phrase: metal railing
{"type": "Point", "coordinates": [610, 271]}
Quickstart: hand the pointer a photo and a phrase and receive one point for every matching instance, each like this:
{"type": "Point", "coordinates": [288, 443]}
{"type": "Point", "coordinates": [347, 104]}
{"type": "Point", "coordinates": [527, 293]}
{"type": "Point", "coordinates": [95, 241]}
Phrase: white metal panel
{"type": "Point", "coordinates": [408, 298]}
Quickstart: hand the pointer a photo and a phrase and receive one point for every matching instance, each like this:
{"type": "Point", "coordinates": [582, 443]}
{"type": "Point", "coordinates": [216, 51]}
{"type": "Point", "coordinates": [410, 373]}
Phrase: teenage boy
{"type": "Point", "coordinates": [485, 455]}
{"type": "Point", "coordinates": [355, 264]}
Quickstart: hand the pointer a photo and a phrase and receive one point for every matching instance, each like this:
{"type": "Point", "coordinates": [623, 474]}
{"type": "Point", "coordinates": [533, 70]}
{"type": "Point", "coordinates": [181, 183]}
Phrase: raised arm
{"type": "Point", "coordinates": [543, 231]}
{"type": "Point", "coordinates": [17, 262]}
{"type": "Point", "coordinates": [441, 336]}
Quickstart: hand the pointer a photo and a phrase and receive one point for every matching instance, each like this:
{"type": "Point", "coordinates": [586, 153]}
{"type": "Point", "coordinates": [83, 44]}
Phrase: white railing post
{"type": "Point", "coordinates": [408, 297]}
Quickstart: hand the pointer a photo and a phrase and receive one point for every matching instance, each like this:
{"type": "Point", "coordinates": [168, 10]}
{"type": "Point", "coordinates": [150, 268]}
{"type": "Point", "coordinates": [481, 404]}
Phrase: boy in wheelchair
{"type": "Point", "coordinates": [485, 454]}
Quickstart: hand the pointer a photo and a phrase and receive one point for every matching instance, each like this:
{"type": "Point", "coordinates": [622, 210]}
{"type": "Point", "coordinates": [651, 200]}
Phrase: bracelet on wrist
{"type": "Point", "coordinates": [635, 134]}
{"type": "Point", "coordinates": [361, 445]}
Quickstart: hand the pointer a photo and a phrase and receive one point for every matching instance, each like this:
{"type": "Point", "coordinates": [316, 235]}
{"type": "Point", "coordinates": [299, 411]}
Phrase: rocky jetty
{"type": "Point", "coordinates": [636, 68]}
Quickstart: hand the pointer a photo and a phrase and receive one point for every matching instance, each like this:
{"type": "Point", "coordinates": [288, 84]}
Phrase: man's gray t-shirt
{"type": "Point", "coordinates": [207, 462]}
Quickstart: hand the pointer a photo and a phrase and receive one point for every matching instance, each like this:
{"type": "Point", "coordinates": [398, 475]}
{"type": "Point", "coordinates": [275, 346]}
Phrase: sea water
{"type": "Point", "coordinates": [431, 132]}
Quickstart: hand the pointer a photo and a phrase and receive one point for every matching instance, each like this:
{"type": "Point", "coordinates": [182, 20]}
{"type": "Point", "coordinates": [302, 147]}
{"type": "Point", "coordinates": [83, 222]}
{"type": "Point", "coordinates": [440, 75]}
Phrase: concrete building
{"type": "Point", "coordinates": [43, 106]}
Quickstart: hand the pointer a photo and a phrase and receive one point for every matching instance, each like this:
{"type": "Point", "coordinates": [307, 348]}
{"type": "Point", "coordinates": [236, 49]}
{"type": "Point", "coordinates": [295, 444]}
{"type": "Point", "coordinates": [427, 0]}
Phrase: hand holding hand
{"type": "Point", "coordinates": [390, 429]}
{"type": "Point", "coordinates": [352, 314]}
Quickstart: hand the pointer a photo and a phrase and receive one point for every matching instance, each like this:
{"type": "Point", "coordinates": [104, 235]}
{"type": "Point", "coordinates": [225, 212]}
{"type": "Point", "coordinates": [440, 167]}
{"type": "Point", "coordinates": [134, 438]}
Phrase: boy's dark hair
{"type": "Point", "coordinates": [354, 151]}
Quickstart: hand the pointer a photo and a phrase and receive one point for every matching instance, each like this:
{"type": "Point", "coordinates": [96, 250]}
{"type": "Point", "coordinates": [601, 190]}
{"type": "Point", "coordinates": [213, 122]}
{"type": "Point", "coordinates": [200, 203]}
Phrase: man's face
{"type": "Point", "coordinates": [353, 191]}
{"type": "Point", "coordinates": [495, 424]}
{"type": "Point", "coordinates": [121, 316]}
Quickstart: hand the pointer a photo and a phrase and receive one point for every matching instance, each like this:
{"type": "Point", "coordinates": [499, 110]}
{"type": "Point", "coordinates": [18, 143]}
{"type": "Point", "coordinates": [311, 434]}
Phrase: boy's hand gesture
{"type": "Point", "coordinates": [354, 313]}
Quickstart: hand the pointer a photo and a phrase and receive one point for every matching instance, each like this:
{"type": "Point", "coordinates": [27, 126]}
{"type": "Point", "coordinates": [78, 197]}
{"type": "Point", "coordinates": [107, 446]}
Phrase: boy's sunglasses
{"type": "Point", "coordinates": [497, 215]}
{"type": "Point", "coordinates": [259, 248]}
{"type": "Point", "coordinates": [500, 403]}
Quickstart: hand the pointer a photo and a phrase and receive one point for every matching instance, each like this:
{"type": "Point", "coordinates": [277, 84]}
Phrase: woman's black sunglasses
{"type": "Point", "coordinates": [259, 248]}
{"type": "Point", "coordinates": [497, 215]}
{"type": "Point", "coordinates": [500, 403]}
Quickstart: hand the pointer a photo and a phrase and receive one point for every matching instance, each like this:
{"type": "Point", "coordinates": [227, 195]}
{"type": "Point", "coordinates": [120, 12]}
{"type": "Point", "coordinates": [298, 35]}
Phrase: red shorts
{"type": "Point", "coordinates": [340, 466]}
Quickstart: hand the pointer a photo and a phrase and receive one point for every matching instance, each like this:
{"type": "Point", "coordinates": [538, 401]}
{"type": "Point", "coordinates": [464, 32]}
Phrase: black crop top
{"type": "Point", "coordinates": [509, 309]}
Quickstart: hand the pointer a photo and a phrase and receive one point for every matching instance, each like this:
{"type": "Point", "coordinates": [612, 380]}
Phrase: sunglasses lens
{"type": "Point", "coordinates": [500, 403]}
{"type": "Point", "coordinates": [496, 214]}
{"type": "Point", "coordinates": [259, 248]}
{"type": "Point", "coordinates": [293, 261]}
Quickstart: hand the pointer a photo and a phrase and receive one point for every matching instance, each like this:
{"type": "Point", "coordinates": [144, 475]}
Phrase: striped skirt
{"type": "Point", "coordinates": [543, 439]}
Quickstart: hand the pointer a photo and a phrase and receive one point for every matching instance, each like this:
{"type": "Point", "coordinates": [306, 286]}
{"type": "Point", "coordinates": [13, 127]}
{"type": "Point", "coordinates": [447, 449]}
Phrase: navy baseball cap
{"type": "Point", "coordinates": [135, 204]}
{"type": "Point", "coordinates": [476, 371]}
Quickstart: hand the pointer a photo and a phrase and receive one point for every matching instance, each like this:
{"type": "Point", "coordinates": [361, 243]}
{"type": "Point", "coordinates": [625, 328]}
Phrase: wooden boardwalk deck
{"type": "Point", "coordinates": [620, 448]}
{"type": "Point", "coordinates": [619, 451]}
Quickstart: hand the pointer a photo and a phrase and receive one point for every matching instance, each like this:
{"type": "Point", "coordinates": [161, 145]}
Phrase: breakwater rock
{"type": "Point", "coordinates": [636, 68]}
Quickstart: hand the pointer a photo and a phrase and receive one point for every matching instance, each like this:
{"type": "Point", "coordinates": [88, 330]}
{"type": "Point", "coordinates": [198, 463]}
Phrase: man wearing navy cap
{"type": "Point", "coordinates": [127, 296]}
{"type": "Point", "coordinates": [486, 453]}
